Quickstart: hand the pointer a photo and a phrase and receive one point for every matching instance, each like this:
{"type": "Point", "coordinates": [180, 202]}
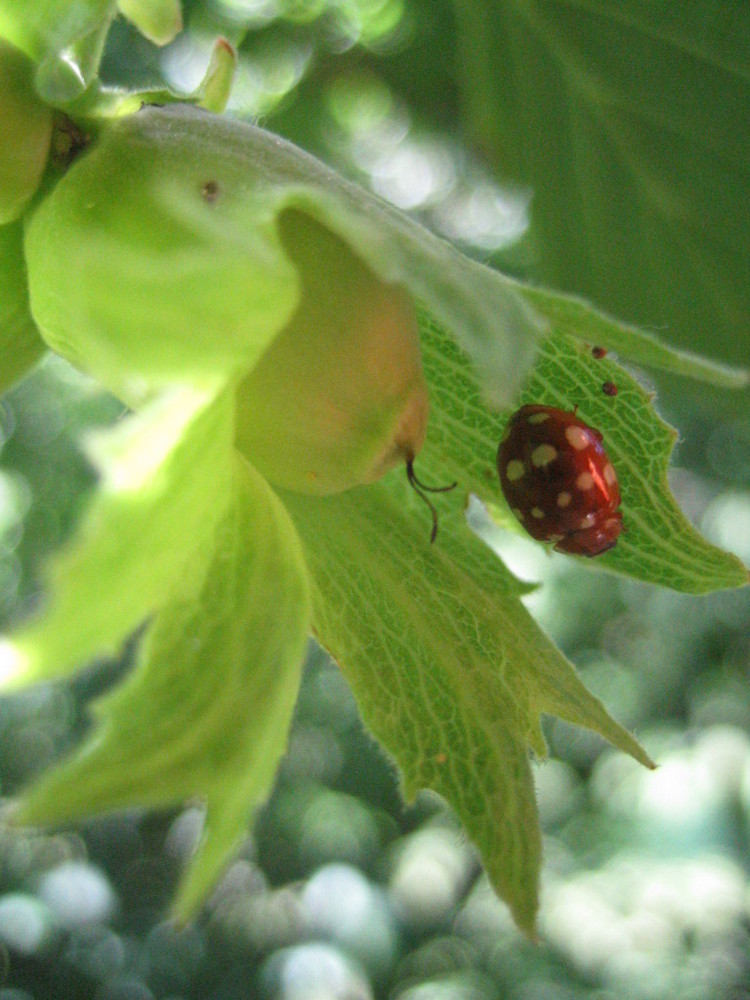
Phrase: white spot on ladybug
{"type": "Point", "coordinates": [577, 437]}
{"type": "Point", "coordinates": [577, 511]}
{"type": "Point", "coordinates": [542, 455]}
{"type": "Point", "coordinates": [514, 470]}
{"type": "Point", "coordinates": [517, 513]}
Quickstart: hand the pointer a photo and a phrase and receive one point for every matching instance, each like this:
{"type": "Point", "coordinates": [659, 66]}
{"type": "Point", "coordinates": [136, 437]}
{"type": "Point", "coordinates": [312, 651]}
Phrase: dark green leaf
{"type": "Point", "coordinates": [629, 122]}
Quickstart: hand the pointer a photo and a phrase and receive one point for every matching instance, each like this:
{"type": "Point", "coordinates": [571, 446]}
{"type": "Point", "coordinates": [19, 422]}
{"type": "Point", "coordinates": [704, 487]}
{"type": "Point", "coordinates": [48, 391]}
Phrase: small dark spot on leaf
{"type": "Point", "coordinates": [210, 191]}
{"type": "Point", "coordinates": [609, 389]}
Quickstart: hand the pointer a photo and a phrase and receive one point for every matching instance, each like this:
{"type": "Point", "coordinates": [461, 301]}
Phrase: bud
{"type": "Point", "coordinates": [339, 397]}
{"type": "Point", "coordinates": [25, 133]}
{"type": "Point", "coordinates": [168, 252]}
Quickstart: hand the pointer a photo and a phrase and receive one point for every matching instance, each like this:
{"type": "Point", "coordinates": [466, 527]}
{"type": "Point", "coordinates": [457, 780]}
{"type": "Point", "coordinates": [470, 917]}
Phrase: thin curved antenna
{"type": "Point", "coordinates": [421, 489]}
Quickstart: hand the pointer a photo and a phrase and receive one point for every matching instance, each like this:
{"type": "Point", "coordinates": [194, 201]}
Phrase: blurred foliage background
{"type": "Point", "coordinates": [342, 892]}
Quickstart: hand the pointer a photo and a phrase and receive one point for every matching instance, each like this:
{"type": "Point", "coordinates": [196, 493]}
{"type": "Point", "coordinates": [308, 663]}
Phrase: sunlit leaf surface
{"type": "Point", "coordinates": [146, 537]}
{"type": "Point", "coordinates": [207, 709]}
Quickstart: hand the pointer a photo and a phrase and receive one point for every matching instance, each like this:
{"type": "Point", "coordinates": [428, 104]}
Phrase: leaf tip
{"type": "Point", "coordinates": [160, 22]}
{"type": "Point", "coordinates": [524, 916]}
{"type": "Point", "coordinates": [215, 89]}
{"type": "Point", "coordinates": [195, 888]}
{"type": "Point", "coordinates": [182, 911]}
{"type": "Point", "coordinates": [633, 748]}
{"type": "Point", "coordinates": [531, 933]}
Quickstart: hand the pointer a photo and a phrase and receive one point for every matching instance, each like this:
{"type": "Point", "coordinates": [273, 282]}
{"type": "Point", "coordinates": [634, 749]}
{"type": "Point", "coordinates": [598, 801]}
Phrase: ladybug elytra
{"type": "Point", "coordinates": [559, 481]}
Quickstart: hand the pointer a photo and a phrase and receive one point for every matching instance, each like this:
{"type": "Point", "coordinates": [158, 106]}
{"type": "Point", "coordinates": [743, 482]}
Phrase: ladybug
{"type": "Point", "coordinates": [558, 480]}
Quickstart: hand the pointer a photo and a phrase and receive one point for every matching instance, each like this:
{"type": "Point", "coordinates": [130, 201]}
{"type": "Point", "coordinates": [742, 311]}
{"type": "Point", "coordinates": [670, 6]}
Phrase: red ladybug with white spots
{"type": "Point", "coordinates": [559, 481]}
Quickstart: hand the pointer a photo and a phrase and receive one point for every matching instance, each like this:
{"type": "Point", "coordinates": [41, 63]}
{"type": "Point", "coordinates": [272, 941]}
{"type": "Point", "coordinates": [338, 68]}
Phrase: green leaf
{"type": "Point", "coordinates": [567, 314]}
{"type": "Point", "coordinates": [206, 711]}
{"type": "Point", "coordinates": [26, 134]}
{"type": "Point", "coordinates": [172, 267]}
{"type": "Point", "coordinates": [145, 540]}
{"type": "Point", "coordinates": [640, 165]}
{"type": "Point", "coordinates": [156, 257]}
{"type": "Point", "coordinates": [659, 545]}
{"type": "Point", "coordinates": [102, 101]}
{"type": "Point", "coordinates": [39, 26]}
{"type": "Point", "coordinates": [159, 20]}
{"type": "Point", "coordinates": [216, 87]}
{"type": "Point", "coordinates": [20, 344]}
{"type": "Point", "coordinates": [449, 670]}
{"type": "Point", "coordinates": [66, 40]}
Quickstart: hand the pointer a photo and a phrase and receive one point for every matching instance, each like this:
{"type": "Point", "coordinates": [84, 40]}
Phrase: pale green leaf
{"type": "Point", "coordinates": [20, 344]}
{"type": "Point", "coordinates": [159, 20]}
{"type": "Point", "coordinates": [101, 100]}
{"type": "Point", "coordinates": [157, 256]}
{"type": "Point", "coordinates": [628, 121]}
{"type": "Point", "coordinates": [449, 670]}
{"type": "Point", "coordinates": [25, 136]}
{"type": "Point", "coordinates": [145, 539]}
{"type": "Point", "coordinates": [39, 27]}
{"type": "Point", "coordinates": [658, 545]}
{"type": "Point", "coordinates": [216, 87]}
{"type": "Point", "coordinates": [207, 709]}
{"type": "Point", "coordinates": [66, 40]}
{"type": "Point", "coordinates": [138, 273]}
